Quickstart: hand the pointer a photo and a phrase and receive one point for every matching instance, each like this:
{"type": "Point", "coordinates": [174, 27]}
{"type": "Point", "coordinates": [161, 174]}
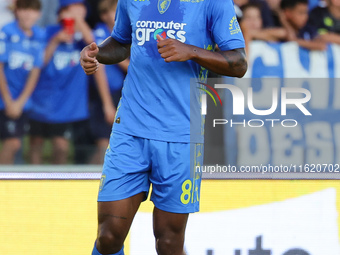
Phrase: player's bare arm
{"type": "Point", "coordinates": [230, 63]}
{"type": "Point", "coordinates": [61, 37]}
{"type": "Point", "coordinates": [109, 52]}
{"type": "Point", "coordinates": [16, 108]}
{"type": "Point", "coordinates": [4, 90]}
{"type": "Point", "coordinates": [331, 38]}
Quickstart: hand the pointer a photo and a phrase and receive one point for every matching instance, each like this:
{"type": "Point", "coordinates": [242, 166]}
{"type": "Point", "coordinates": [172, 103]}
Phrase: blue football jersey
{"type": "Point", "coordinates": [156, 95]}
{"type": "Point", "coordinates": [115, 75]}
{"type": "Point", "coordinates": [61, 95]}
{"type": "Point", "coordinates": [20, 54]}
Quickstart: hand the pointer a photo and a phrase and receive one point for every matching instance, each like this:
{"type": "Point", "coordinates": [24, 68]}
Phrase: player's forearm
{"type": "Point", "coordinates": [271, 34]}
{"type": "Point", "coordinates": [86, 31]}
{"type": "Point", "coordinates": [50, 49]}
{"type": "Point", "coordinates": [331, 38]}
{"type": "Point", "coordinates": [4, 90]}
{"type": "Point", "coordinates": [112, 52]}
{"type": "Point", "coordinates": [229, 63]}
{"type": "Point", "coordinates": [312, 45]}
{"type": "Point", "coordinates": [30, 86]}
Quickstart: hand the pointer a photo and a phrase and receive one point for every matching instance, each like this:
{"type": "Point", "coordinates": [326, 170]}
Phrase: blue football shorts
{"type": "Point", "coordinates": [133, 163]}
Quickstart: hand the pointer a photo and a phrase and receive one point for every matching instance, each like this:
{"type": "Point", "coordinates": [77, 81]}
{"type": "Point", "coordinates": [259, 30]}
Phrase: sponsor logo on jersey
{"type": "Point", "coordinates": [148, 30]}
{"type": "Point", "coordinates": [20, 60]}
{"type": "Point", "coordinates": [234, 27]}
{"type": "Point", "coordinates": [160, 32]}
{"type": "Point", "coordinates": [62, 60]}
{"type": "Point", "coordinates": [163, 5]}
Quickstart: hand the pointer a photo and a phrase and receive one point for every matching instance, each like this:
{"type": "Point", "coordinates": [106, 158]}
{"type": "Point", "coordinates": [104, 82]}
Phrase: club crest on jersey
{"type": "Point", "coordinates": [163, 5]}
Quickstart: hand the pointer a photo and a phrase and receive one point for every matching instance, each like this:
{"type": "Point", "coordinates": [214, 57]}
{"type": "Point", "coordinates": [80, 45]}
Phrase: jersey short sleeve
{"type": "Point", "coordinates": [223, 25]}
{"type": "Point", "coordinates": [3, 46]}
{"type": "Point", "coordinates": [122, 30]}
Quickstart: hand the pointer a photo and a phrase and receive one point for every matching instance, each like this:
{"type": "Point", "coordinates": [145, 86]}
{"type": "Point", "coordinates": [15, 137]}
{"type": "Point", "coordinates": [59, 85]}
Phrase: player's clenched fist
{"type": "Point", "coordinates": [88, 58]}
{"type": "Point", "coordinates": [174, 50]}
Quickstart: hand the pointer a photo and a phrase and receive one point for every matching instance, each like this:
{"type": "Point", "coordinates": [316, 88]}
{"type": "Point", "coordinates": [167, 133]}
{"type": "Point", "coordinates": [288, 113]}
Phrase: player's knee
{"type": "Point", "coordinates": [164, 243]}
{"type": "Point", "coordinates": [109, 242]}
{"type": "Point", "coordinates": [12, 145]}
{"type": "Point", "coordinates": [61, 146]}
{"type": "Point", "coordinates": [168, 244]}
{"type": "Point", "coordinates": [36, 143]}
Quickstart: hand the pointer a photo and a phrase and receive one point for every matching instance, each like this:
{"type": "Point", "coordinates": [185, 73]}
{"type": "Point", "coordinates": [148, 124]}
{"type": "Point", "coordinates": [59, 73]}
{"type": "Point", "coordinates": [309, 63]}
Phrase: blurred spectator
{"type": "Point", "coordinates": [6, 12]}
{"type": "Point", "coordinates": [327, 21]}
{"type": "Point", "coordinates": [93, 17]}
{"type": "Point", "coordinates": [21, 57]}
{"type": "Point", "coordinates": [109, 80]}
{"type": "Point", "coordinates": [48, 13]}
{"type": "Point", "coordinates": [295, 13]}
{"type": "Point", "coordinates": [252, 26]}
{"type": "Point", "coordinates": [275, 9]}
{"type": "Point", "coordinates": [266, 15]}
{"type": "Point", "coordinates": [61, 96]}
{"type": "Point", "coordinates": [314, 3]}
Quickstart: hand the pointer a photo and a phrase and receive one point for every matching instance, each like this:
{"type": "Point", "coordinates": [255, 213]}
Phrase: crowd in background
{"type": "Point", "coordinates": [311, 24]}
{"type": "Point", "coordinates": [46, 96]}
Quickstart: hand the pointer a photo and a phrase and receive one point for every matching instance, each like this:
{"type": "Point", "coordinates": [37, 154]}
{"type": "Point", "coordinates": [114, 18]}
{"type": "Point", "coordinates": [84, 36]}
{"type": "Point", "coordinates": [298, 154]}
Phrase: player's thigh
{"type": "Point", "coordinates": [169, 225]}
{"type": "Point", "coordinates": [11, 144]}
{"type": "Point", "coordinates": [60, 143]}
{"type": "Point", "coordinates": [36, 141]}
{"type": "Point", "coordinates": [176, 184]}
{"type": "Point", "coordinates": [115, 217]}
